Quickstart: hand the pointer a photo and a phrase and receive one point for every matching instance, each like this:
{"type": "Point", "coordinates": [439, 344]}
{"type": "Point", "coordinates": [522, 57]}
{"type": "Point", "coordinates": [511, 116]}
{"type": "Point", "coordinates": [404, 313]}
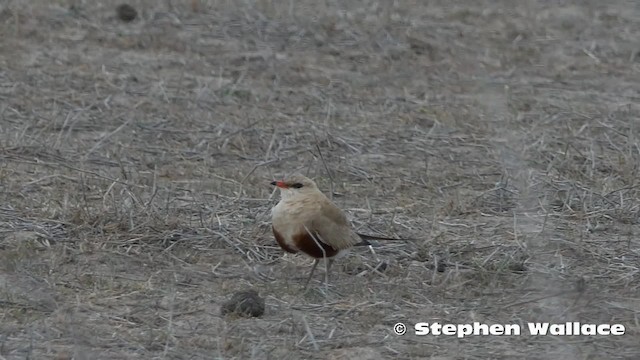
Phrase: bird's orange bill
{"type": "Point", "coordinates": [280, 184]}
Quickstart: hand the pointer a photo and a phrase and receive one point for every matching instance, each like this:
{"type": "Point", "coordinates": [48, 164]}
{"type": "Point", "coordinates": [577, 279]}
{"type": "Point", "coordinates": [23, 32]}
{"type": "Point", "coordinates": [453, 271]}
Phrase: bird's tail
{"type": "Point", "coordinates": [365, 239]}
{"type": "Point", "coordinates": [373, 237]}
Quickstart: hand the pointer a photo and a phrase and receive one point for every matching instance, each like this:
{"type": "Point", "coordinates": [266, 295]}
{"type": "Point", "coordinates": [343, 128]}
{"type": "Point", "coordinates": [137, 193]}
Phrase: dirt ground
{"type": "Point", "coordinates": [501, 137]}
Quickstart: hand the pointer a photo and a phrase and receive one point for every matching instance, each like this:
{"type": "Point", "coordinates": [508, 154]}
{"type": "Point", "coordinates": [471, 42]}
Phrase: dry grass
{"type": "Point", "coordinates": [136, 160]}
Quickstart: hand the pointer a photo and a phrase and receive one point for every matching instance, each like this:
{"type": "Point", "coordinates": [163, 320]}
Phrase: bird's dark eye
{"type": "Point", "coordinates": [296, 186]}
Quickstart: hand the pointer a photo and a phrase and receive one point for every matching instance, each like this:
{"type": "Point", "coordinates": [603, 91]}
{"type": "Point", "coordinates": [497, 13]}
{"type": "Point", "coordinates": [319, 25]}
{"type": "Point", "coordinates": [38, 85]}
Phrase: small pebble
{"type": "Point", "coordinates": [126, 12]}
{"type": "Point", "coordinates": [382, 267]}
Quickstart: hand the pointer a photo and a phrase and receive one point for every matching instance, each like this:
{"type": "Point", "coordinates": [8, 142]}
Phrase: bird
{"type": "Point", "coordinates": [306, 221]}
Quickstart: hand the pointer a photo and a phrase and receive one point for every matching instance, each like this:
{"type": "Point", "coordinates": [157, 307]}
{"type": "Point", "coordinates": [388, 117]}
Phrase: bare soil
{"type": "Point", "coordinates": [135, 161]}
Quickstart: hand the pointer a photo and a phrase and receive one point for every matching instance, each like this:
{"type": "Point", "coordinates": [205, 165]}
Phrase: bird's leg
{"type": "Point", "coordinates": [315, 263]}
{"type": "Point", "coordinates": [324, 256]}
{"type": "Point", "coordinates": [328, 262]}
{"type": "Point", "coordinates": [326, 274]}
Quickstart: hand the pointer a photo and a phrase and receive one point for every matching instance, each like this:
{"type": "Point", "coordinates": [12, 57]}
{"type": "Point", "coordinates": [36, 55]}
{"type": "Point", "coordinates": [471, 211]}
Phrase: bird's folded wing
{"type": "Point", "coordinates": [332, 227]}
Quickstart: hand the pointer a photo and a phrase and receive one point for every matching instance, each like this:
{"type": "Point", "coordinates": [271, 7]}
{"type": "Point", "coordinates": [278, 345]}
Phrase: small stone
{"type": "Point", "coordinates": [126, 12]}
{"type": "Point", "coordinates": [244, 303]}
{"type": "Point", "coordinates": [382, 267]}
{"type": "Point", "coordinates": [440, 267]}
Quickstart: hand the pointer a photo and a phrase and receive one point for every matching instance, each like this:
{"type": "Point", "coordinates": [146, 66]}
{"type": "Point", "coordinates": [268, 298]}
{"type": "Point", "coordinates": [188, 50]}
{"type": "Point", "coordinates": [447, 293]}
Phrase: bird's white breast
{"type": "Point", "coordinates": [284, 223]}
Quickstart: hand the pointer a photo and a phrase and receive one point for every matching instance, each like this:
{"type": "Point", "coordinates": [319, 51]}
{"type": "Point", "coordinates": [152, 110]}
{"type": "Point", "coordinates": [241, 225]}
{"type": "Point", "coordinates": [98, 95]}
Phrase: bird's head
{"type": "Point", "coordinates": [295, 184]}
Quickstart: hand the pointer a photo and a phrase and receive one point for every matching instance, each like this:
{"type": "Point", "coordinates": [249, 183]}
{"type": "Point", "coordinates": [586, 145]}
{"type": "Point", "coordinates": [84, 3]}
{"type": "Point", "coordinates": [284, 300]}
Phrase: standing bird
{"type": "Point", "coordinates": [305, 220]}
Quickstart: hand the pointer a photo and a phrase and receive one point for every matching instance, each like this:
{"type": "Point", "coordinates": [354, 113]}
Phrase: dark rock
{"type": "Point", "coordinates": [244, 303]}
{"type": "Point", "coordinates": [126, 12]}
